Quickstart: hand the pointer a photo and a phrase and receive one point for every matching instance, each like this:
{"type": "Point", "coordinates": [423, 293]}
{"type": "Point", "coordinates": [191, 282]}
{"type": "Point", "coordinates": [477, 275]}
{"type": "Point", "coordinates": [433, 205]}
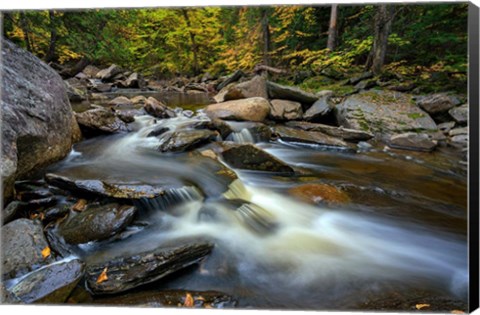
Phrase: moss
{"type": "Point", "coordinates": [415, 115]}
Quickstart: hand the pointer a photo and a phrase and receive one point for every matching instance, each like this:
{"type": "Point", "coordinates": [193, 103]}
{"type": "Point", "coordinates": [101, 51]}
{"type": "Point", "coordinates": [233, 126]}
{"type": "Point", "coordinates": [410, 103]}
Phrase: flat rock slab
{"type": "Point", "coordinates": [319, 193]}
{"type": "Point", "coordinates": [277, 91]}
{"type": "Point", "coordinates": [338, 132]}
{"type": "Point", "coordinates": [312, 137]}
{"type": "Point", "coordinates": [124, 273]}
{"type": "Point", "coordinates": [96, 223]}
{"type": "Point", "coordinates": [185, 140]}
{"type": "Point", "coordinates": [251, 157]}
{"type": "Point", "coordinates": [249, 109]}
{"type": "Point", "coordinates": [412, 141]}
{"type": "Point", "coordinates": [285, 110]}
{"type": "Point", "coordinates": [22, 244]}
{"type": "Point", "coordinates": [437, 103]}
{"type": "Point", "coordinates": [51, 284]}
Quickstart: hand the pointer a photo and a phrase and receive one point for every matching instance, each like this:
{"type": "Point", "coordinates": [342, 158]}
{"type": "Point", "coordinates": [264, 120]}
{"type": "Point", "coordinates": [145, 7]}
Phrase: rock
{"type": "Point", "coordinates": [222, 127]}
{"type": "Point", "coordinates": [158, 131]}
{"type": "Point", "coordinates": [233, 78]}
{"type": "Point", "coordinates": [460, 114]}
{"type": "Point", "coordinates": [51, 284]}
{"type": "Point", "coordinates": [446, 127]}
{"type": "Point", "coordinates": [382, 113]}
{"type": "Point", "coordinates": [38, 126]}
{"type": "Point", "coordinates": [75, 94]}
{"type": "Point", "coordinates": [320, 108]}
{"type": "Point", "coordinates": [185, 140]}
{"type": "Point", "coordinates": [54, 213]}
{"type": "Point", "coordinates": [459, 141]}
{"type": "Point", "coordinates": [412, 141]}
{"type": "Point", "coordinates": [363, 76]}
{"type": "Point", "coordinates": [158, 109]}
{"type": "Point", "coordinates": [91, 71]}
{"type": "Point", "coordinates": [135, 80]}
{"type": "Point", "coordinates": [7, 297]}
{"type": "Point", "coordinates": [99, 121]}
{"type": "Point", "coordinates": [102, 88]}
{"type": "Point", "coordinates": [339, 132]}
{"type": "Point", "coordinates": [437, 103]}
{"type": "Point", "coordinates": [302, 136]}
{"type": "Point", "coordinates": [124, 273]}
{"type": "Point", "coordinates": [94, 187]}
{"type": "Point", "coordinates": [11, 210]}
{"type": "Point", "coordinates": [121, 102]}
{"type": "Point", "coordinates": [406, 87]}
{"type": "Point", "coordinates": [109, 73]}
{"type": "Point", "coordinates": [251, 157]}
{"type": "Point", "coordinates": [277, 91]}
{"type": "Point", "coordinates": [128, 115]}
{"type": "Point", "coordinates": [139, 100]}
{"type": "Point", "coordinates": [319, 193]}
{"type": "Point", "coordinates": [250, 109]}
{"type": "Point", "coordinates": [22, 245]}
{"type": "Point", "coordinates": [285, 110]}
{"type": "Point", "coordinates": [256, 87]}
{"type": "Point", "coordinates": [220, 97]}
{"type": "Point", "coordinates": [458, 131]}
{"type": "Point", "coordinates": [96, 223]}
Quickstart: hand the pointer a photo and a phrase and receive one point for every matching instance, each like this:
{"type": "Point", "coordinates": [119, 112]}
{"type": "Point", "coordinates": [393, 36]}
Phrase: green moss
{"type": "Point", "coordinates": [415, 115]}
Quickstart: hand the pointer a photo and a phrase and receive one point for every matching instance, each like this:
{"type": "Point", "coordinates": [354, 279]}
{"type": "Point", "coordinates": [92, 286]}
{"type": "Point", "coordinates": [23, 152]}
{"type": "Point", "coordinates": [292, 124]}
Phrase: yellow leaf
{"type": "Point", "coordinates": [46, 252]}
{"type": "Point", "coordinates": [80, 205]}
{"type": "Point", "coordinates": [103, 276]}
{"type": "Point", "coordinates": [188, 300]}
{"type": "Point", "coordinates": [207, 305]}
{"type": "Point", "coordinates": [421, 306]}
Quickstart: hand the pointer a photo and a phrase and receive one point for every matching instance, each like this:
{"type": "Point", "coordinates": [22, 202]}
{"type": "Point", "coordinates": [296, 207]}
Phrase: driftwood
{"type": "Point", "coordinates": [260, 68]}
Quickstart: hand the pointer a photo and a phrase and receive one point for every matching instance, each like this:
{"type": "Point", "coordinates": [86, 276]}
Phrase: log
{"type": "Point", "coordinates": [260, 68]}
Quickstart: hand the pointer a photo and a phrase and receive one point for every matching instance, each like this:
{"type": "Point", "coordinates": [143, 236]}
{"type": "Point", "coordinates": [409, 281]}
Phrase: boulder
{"type": "Point", "coordinates": [222, 127]}
{"type": "Point", "coordinates": [135, 80]}
{"type": "Point", "coordinates": [232, 78]}
{"type": "Point", "coordinates": [367, 84]}
{"type": "Point", "coordinates": [412, 141]}
{"type": "Point", "coordinates": [38, 126]}
{"type": "Point", "coordinates": [9, 212]}
{"type": "Point", "coordinates": [382, 113]}
{"type": "Point", "coordinates": [319, 193]}
{"type": "Point", "coordinates": [256, 87]}
{"type": "Point", "coordinates": [109, 73]}
{"type": "Point", "coordinates": [102, 88]}
{"type": "Point", "coordinates": [139, 100]}
{"type": "Point", "coordinates": [319, 109]}
{"type": "Point", "coordinates": [251, 157]}
{"type": "Point", "coordinates": [51, 284]}
{"type": "Point", "coordinates": [277, 91]}
{"type": "Point", "coordinates": [338, 132]}
{"type": "Point", "coordinates": [75, 94]}
{"type": "Point", "coordinates": [96, 223]}
{"type": "Point", "coordinates": [250, 109]}
{"type": "Point", "coordinates": [90, 71]}
{"type": "Point", "coordinates": [460, 114]}
{"type": "Point", "coordinates": [22, 244]}
{"type": "Point", "coordinates": [128, 115]}
{"type": "Point", "coordinates": [121, 102]}
{"type": "Point", "coordinates": [99, 121]}
{"type": "Point", "coordinates": [158, 109]}
{"type": "Point", "coordinates": [311, 137]}
{"type": "Point", "coordinates": [282, 110]}
{"type": "Point", "coordinates": [127, 272]}
{"type": "Point", "coordinates": [185, 140]}
{"type": "Point", "coordinates": [437, 103]}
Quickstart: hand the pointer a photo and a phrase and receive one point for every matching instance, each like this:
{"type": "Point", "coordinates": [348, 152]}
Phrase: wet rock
{"type": "Point", "coordinates": [172, 298]}
{"type": "Point", "coordinates": [382, 113]}
{"type": "Point", "coordinates": [121, 102]}
{"type": "Point", "coordinates": [127, 272]}
{"type": "Point", "coordinates": [128, 115]}
{"type": "Point", "coordinates": [185, 140]}
{"type": "Point", "coordinates": [158, 109]}
{"type": "Point", "coordinates": [320, 108]}
{"type": "Point", "coordinates": [437, 103]}
{"type": "Point", "coordinates": [285, 110]}
{"type": "Point", "coordinates": [338, 132]}
{"type": "Point", "coordinates": [96, 223]}
{"type": "Point", "coordinates": [22, 245]}
{"type": "Point", "coordinates": [277, 91]}
{"type": "Point", "coordinates": [51, 284]}
{"type": "Point", "coordinates": [250, 109]}
{"type": "Point", "coordinates": [9, 212]}
{"type": "Point", "coordinates": [256, 87]}
{"type": "Point", "coordinates": [158, 131]}
{"type": "Point", "coordinates": [38, 126]}
{"type": "Point", "coordinates": [251, 157]}
{"type": "Point", "coordinates": [94, 187]}
{"type": "Point", "coordinates": [446, 127]}
{"type": "Point", "coordinates": [319, 193]}
{"type": "Point", "coordinates": [458, 131]}
{"type": "Point", "coordinates": [302, 136]}
{"type": "Point", "coordinates": [108, 73]}
{"type": "Point", "coordinates": [222, 127]}
{"type": "Point", "coordinates": [232, 78]}
{"type": "Point", "coordinates": [460, 114]}
{"type": "Point", "coordinates": [412, 141]}
{"type": "Point", "coordinates": [54, 213]}
{"type": "Point", "coordinates": [99, 121]}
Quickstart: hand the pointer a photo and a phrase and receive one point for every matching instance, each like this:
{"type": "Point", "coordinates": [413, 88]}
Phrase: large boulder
{"type": "Point", "coordinates": [38, 126]}
{"type": "Point", "coordinates": [100, 121]}
{"type": "Point", "coordinates": [250, 109]}
{"type": "Point", "coordinates": [285, 110]}
{"type": "Point", "coordinates": [290, 93]}
{"type": "Point", "coordinates": [256, 87]}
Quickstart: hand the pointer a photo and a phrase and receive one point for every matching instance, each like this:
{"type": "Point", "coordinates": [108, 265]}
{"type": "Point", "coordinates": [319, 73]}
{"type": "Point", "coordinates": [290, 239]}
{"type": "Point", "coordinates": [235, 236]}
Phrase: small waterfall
{"type": "Point", "coordinates": [242, 136]}
{"type": "Point", "coordinates": [171, 197]}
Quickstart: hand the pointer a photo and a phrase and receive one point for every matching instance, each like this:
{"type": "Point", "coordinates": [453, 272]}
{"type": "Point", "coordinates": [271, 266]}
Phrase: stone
{"type": "Point", "coordinates": [222, 127]}
{"type": "Point", "coordinates": [102, 88]}
{"type": "Point", "coordinates": [139, 100]}
{"type": "Point", "coordinates": [100, 121]}
{"type": "Point", "coordinates": [338, 132]}
{"type": "Point", "coordinates": [51, 284]}
{"type": "Point", "coordinates": [319, 193]}
{"type": "Point", "coordinates": [367, 84]}
{"type": "Point", "coordinates": [412, 141]}
{"type": "Point", "coordinates": [91, 71]}
{"type": "Point", "coordinates": [251, 157]}
{"type": "Point", "coordinates": [460, 114]}
{"type": "Point", "coordinates": [157, 109]}
{"type": "Point", "coordinates": [38, 125]}
{"type": "Point", "coordinates": [277, 91]}
{"type": "Point", "coordinates": [282, 110]}
{"type": "Point", "coordinates": [437, 103]}
{"type": "Point", "coordinates": [22, 244]}
{"type": "Point", "coordinates": [128, 272]}
{"type": "Point", "coordinates": [75, 94]}
{"type": "Point", "coordinates": [96, 223]}
{"type": "Point", "coordinates": [363, 76]}
{"type": "Point", "coordinates": [9, 212]}
{"type": "Point", "coordinates": [458, 131]}
{"type": "Point", "coordinates": [320, 108]}
{"type": "Point", "coordinates": [256, 87]}
{"type": "Point", "coordinates": [121, 102]}
{"type": "Point", "coordinates": [250, 109]}
{"type": "Point", "coordinates": [232, 78]}
{"type": "Point", "coordinates": [446, 127]}
{"type": "Point", "coordinates": [109, 73]}
{"type": "Point", "coordinates": [128, 115]}
{"type": "Point", "coordinates": [459, 141]}
{"type": "Point", "coordinates": [185, 140]}
{"type": "Point", "coordinates": [135, 80]}
{"type": "Point", "coordinates": [311, 137]}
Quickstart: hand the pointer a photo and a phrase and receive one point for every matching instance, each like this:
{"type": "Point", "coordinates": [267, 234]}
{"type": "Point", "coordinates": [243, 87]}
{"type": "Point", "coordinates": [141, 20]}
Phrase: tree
{"type": "Point", "coordinates": [332, 28]}
{"type": "Point", "coordinates": [382, 27]}
{"type": "Point", "coordinates": [266, 36]}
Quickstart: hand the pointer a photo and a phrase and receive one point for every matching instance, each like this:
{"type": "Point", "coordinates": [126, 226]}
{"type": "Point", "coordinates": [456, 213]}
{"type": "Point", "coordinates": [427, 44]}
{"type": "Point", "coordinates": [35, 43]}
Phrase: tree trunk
{"type": "Point", "coordinates": [383, 25]}
{"type": "Point", "coordinates": [195, 67]}
{"type": "Point", "coordinates": [53, 37]}
{"type": "Point", "coordinates": [25, 29]}
{"type": "Point", "coordinates": [266, 37]}
{"type": "Point", "coordinates": [332, 28]}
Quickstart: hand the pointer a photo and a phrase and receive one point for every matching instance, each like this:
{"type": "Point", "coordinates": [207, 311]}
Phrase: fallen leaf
{"type": "Point", "coordinates": [46, 252]}
{"type": "Point", "coordinates": [457, 312]}
{"type": "Point", "coordinates": [79, 205]}
{"type": "Point", "coordinates": [103, 276]}
{"type": "Point", "coordinates": [207, 305]}
{"type": "Point", "coordinates": [421, 306]}
{"type": "Point", "coordinates": [188, 300]}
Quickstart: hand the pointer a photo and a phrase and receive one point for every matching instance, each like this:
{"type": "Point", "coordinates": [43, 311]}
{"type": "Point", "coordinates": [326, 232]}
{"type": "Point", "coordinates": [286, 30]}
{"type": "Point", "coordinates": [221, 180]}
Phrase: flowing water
{"type": "Point", "coordinates": [404, 229]}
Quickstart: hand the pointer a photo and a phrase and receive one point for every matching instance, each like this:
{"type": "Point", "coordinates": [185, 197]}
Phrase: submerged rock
{"type": "Point", "coordinates": [100, 121]}
{"type": "Point", "coordinates": [51, 284]}
{"type": "Point", "coordinates": [412, 141]}
{"type": "Point", "coordinates": [185, 140]}
{"type": "Point", "coordinates": [302, 136]}
{"type": "Point", "coordinates": [277, 91]}
{"type": "Point", "coordinates": [251, 157]}
{"type": "Point", "coordinates": [127, 272]}
{"type": "Point", "coordinates": [285, 110]}
{"type": "Point", "coordinates": [250, 109]}
{"type": "Point", "coordinates": [22, 244]}
{"type": "Point", "coordinates": [96, 223]}
{"type": "Point", "coordinates": [319, 193]}
{"type": "Point", "coordinates": [339, 132]}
